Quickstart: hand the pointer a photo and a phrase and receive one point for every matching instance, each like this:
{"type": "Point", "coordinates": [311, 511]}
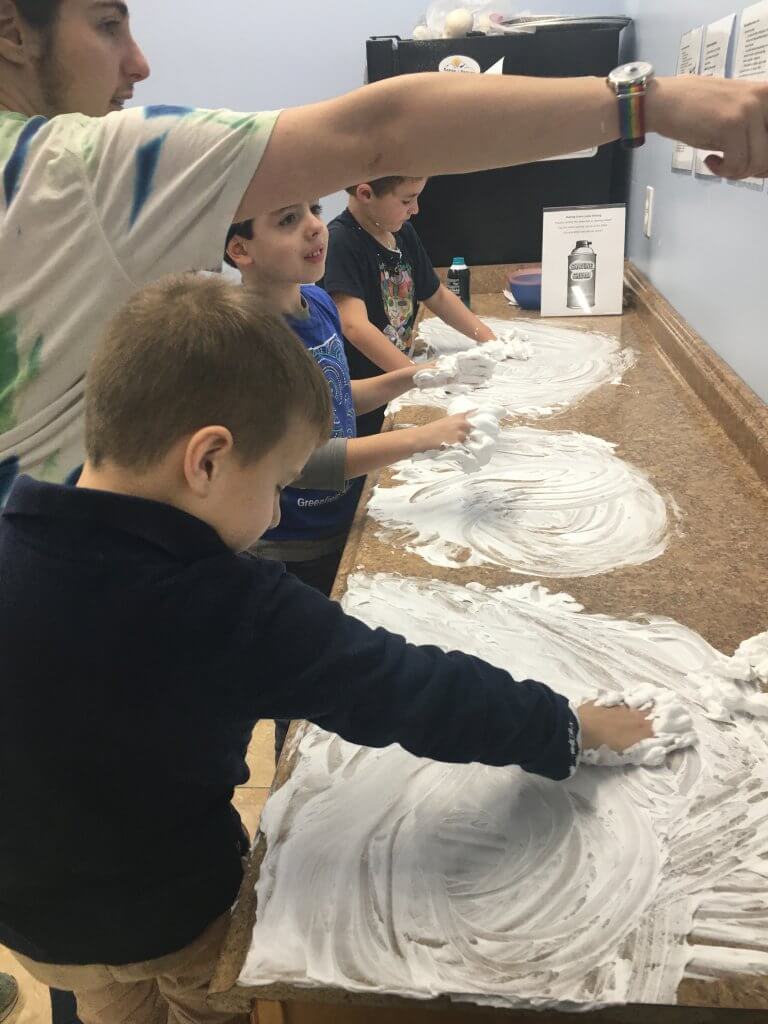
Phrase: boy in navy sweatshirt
{"type": "Point", "coordinates": [139, 650]}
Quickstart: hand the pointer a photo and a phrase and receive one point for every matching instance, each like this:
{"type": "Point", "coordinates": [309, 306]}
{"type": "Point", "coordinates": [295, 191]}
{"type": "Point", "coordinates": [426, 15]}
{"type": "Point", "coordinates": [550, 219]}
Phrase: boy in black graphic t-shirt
{"type": "Point", "coordinates": [378, 272]}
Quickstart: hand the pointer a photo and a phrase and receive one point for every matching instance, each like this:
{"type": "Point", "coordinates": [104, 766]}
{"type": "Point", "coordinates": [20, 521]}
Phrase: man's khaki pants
{"type": "Point", "coordinates": [169, 990]}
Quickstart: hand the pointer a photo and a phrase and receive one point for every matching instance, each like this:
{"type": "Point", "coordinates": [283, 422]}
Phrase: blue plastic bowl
{"type": "Point", "coordinates": [525, 285]}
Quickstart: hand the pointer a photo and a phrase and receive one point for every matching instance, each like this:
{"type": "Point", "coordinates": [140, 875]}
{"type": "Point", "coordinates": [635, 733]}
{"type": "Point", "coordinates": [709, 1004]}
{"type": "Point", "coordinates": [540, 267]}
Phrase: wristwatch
{"type": "Point", "coordinates": [630, 83]}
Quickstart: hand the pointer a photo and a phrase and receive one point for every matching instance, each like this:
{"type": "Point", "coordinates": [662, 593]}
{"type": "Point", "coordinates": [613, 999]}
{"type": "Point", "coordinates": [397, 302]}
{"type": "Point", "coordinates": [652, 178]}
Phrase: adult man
{"type": "Point", "coordinates": [93, 206]}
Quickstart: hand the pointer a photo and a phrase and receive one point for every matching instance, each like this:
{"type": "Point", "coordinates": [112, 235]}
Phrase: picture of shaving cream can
{"type": "Point", "coordinates": [582, 276]}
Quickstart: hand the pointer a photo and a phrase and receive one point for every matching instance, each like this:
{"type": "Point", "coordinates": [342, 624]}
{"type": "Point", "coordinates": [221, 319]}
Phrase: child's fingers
{"type": "Point", "coordinates": [463, 426]}
{"type": "Point", "coordinates": [617, 727]}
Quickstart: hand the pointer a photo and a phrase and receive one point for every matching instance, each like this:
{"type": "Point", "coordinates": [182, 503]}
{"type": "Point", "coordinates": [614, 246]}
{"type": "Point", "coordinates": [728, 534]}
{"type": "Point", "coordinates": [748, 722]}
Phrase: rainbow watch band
{"type": "Point", "coordinates": [632, 113]}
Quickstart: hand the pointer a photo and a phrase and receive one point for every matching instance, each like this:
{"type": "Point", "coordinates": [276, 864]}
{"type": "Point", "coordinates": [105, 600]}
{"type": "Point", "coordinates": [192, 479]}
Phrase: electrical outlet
{"type": "Point", "coordinates": [650, 194]}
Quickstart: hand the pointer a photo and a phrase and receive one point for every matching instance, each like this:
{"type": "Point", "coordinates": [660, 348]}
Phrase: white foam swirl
{"type": "Point", "coordinates": [565, 366]}
{"type": "Point", "coordinates": [547, 504]}
{"type": "Point", "coordinates": [389, 873]}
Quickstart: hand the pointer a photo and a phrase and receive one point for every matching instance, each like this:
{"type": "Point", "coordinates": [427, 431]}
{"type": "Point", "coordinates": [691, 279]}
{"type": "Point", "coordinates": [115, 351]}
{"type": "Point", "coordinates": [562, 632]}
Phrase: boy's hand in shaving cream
{"type": "Point", "coordinates": [445, 431]}
{"type": "Point", "coordinates": [483, 333]}
{"type": "Point", "coordinates": [430, 364]}
{"type": "Point", "coordinates": [617, 728]}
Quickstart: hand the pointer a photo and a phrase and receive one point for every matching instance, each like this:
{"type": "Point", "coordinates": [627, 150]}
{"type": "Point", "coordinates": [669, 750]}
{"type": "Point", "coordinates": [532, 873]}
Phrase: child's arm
{"type": "Point", "coordinates": [453, 312]}
{"type": "Point", "coordinates": [326, 469]}
{"type": "Point", "coordinates": [373, 688]}
{"type": "Point", "coordinates": [375, 392]}
{"type": "Point", "coordinates": [342, 459]}
{"type": "Point", "coordinates": [366, 454]}
{"type": "Point", "coordinates": [360, 332]}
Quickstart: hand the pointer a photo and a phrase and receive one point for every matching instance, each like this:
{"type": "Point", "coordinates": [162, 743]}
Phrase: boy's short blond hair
{"type": "Point", "coordinates": [190, 352]}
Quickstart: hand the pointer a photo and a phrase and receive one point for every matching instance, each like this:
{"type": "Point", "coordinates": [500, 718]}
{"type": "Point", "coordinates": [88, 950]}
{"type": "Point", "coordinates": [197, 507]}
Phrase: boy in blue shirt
{"type": "Point", "coordinates": [280, 256]}
{"type": "Point", "coordinates": [139, 650]}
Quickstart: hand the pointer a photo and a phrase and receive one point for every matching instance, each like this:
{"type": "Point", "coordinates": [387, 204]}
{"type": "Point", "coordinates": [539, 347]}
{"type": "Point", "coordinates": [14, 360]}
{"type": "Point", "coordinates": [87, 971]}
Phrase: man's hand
{"type": "Point", "coordinates": [715, 114]}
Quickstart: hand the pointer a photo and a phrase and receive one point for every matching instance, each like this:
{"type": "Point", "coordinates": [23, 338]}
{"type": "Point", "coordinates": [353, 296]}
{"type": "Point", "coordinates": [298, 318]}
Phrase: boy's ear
{"type": "Point", "coordinates": [204, 456]}
{"type": "Point", "coordinates": [237, 251]}
{"type": "Point", "coordinates": [364, 193]}
{"type": "Point", "coordinates": [12, 38]}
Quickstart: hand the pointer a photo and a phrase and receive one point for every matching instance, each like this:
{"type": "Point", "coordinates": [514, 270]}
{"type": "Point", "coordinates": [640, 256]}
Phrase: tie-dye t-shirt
{"type": "Point", "coordinates": [90, 210]}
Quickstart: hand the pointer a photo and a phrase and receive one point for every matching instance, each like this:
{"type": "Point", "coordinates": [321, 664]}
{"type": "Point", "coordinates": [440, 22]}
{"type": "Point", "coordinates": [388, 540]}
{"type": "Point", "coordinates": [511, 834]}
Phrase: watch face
{"type": "Point", "coordinates": [631, 74]}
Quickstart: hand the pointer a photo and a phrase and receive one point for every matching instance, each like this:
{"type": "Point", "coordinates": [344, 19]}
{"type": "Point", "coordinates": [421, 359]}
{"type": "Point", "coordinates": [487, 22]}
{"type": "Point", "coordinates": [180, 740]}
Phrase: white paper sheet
{"type": "Point", "coordinates": [714, 63]}
{"type": "Point", "coordinates": [751, 61]}
{"type": "Point", "coordinates": [688, 63]}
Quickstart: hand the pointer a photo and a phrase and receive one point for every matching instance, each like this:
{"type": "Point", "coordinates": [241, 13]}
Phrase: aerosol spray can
{"type": "Point", "coordinates": [582, 276]}
{"type": "Point", "coordinates": [459, 280]}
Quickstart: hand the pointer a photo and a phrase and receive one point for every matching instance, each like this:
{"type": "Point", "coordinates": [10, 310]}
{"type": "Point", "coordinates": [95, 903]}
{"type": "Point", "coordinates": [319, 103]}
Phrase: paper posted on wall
{"type": "Point", "coordinates": [751, 60]}
{"type": "Point", "coordinates": [583, 261]}
{"type": "Point", "coordinates": [688, 63]}
{"type": "Point", "coordinates": [717, 41]}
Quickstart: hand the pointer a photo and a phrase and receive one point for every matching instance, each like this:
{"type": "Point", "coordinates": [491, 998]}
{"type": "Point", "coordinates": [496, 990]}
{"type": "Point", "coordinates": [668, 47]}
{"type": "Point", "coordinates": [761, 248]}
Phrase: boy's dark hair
{"type": "Point", "coordinates": [39, 13]}
{"type": "Point", "coordinates": [190, 352]}
{"type": "Point", "coordinates": [245, 230]}
{"type": "Point", "coordinates": [380, 186]}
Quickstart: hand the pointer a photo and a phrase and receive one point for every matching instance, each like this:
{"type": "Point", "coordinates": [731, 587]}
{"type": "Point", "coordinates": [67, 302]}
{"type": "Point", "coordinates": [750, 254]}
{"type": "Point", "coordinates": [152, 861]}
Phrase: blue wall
{"type": "Point", "coordinates": [278, 53]}
{"type": "Point", "coordinates": [708, 254]}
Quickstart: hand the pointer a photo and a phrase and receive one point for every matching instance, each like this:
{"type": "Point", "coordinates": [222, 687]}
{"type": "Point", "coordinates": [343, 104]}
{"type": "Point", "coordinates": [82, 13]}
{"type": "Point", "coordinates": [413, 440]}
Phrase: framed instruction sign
{"type": "Point", "coordinates": [583, 261]}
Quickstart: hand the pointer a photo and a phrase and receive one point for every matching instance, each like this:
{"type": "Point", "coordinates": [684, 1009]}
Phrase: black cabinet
{"type": "Point", "coordinates": [496, 216]}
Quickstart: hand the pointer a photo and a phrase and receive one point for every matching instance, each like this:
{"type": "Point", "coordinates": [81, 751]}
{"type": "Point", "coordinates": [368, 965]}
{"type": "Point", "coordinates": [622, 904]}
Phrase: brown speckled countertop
{"type": "Point", "coordinates": [713, 576]}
